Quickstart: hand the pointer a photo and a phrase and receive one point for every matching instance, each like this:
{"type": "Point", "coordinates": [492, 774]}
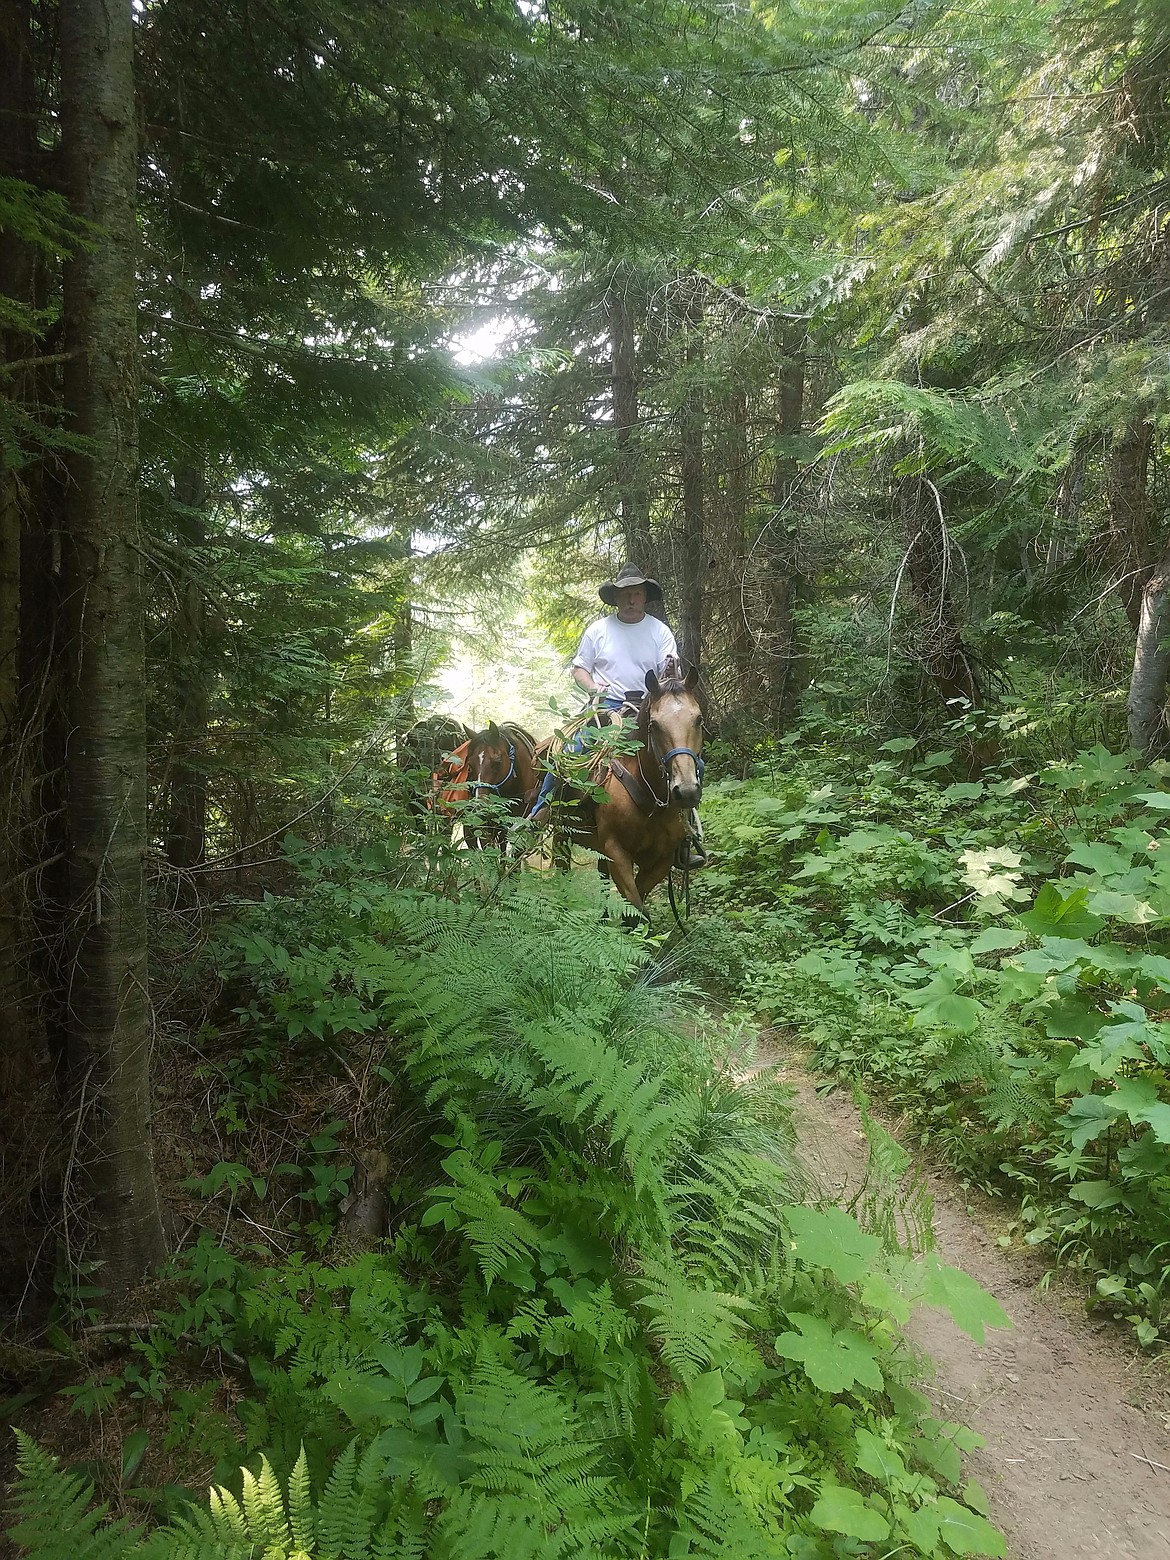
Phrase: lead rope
{"type": "Point", "coordinates": [686, 877]}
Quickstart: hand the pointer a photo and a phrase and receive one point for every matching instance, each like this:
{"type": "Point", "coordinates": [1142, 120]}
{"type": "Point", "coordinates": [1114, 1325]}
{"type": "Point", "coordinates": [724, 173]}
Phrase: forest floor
{"type": "Point", "coordinates": [1076, 1422]}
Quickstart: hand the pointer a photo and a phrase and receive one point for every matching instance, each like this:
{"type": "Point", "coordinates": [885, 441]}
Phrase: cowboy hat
{"type": "Point", "coordinates": [628, 574]}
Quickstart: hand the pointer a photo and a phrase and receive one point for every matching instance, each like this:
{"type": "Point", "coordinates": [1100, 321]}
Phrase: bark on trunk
{"type": "Point", "coordinates": [117, 1220]}
{"type": "Point", "coordinates": [1146, 703]}
{"type": "Point", "coordinates": [929, 566]}
{"type": "Point", "coordinates": [1066, 516]}
{"type": "Point", "coordinates": [1129, 513]}
{"type": "Point", "coordinates": [741, 644]}
{"type": "Point", "coordinates": [17, 271]}
{"type": "Point", "coordinates": [187, 824]}
{"type": "Point", "coordinates": [405, 674]}
{"type": "Point", "coordinates": [787, 663]}
{"type": "Point", "coordinates": [632, 495]}
{"type": "Point", "coordinates": [693, 549]}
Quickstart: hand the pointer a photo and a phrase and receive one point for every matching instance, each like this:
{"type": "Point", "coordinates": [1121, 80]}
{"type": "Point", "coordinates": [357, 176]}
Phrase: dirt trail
{"type": "Point", "coordinates": [1071, 1467]}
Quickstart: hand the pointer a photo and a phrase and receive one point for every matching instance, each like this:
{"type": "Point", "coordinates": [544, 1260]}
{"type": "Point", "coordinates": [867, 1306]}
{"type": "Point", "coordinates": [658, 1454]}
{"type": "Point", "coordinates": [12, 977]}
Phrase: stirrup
{"type": "Point", "coordinates": [690, 854]}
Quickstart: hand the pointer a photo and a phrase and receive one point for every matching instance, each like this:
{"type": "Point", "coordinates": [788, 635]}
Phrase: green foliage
{"type": "Point", "coordinates": [987, 955]}
{"type": "Point", "coordinates": [605, 1322]}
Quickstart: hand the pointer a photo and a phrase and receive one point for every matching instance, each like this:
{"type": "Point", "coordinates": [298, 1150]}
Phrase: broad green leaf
{"type": "Point", "coordinates": [880, 1293]}
{"type": "Point", "coordinates": [842, 1510]}
{"type": "Point", "coordinates": [949, 1010]}
{"type": "Point", "coordinates": [922, 1529]}
{"type": "Point", "coordinates": [1096, 767]}
{"type": "Point", "coordinates": [1096, 1194]}
{"type": "Point", "coordinates": [1154, 967]}
{"type": "Point", "coordinates": [1088, 1116]}
{"type": "Point", "coordinates": [1072, 1019]}
{"type": "Point", "coordinates": [1159, 801]}
{"type": "Point", "coordinates": [994, 871]}
{"type": "Point", "coordinates": [1060, 915]}
{"type": "Point", "coordinates": [1107, 1054]}
{"type": "Point", "coordinates": [1105, 860]}
{"type": "Point", "coordinates": [963, 791]}
{"type": "Point", "coordinates": [969, 1304]}
{"type": "Point", "coordinates": [833, 1361]}
{"type": "Point", "coordinates": [994, 939]}
{"type": "Point", "coordinates": [1139, 1100]}
{"type": "Point", "coordinates": [878, 1459]}
{"type": "Point", "coordinates": [830, 1238]}
{"type": "Point", "coordinates": [957, 961]}
{"type": "Point", "coordinates": [1121, 907]}
{"type": "Point", "coordinates": [965, 1531]}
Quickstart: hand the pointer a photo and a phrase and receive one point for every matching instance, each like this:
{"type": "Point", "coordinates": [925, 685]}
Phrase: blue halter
{"type": "Point", "coordinates": [486, 785]}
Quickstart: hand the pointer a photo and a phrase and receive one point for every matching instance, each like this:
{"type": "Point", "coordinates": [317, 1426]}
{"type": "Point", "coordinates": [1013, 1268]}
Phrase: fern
{"type": "Point", "coordinates": [695, 1327]}
{"type": "Point", "coordinates": [893, 1200]}
{"type": "Point", "coordinates": [1008, 1096]}
{"type": "Point", "coordinates": [349, 1503]}
{"type": "Point", "coordinates": [55, 1518]}
{"type": "Point", "coordinates": [535, 1474]}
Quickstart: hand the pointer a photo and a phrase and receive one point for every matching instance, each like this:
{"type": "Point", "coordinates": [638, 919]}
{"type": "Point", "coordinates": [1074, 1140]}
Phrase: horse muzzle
{"type": "Point", "coordinates": [683, 769]}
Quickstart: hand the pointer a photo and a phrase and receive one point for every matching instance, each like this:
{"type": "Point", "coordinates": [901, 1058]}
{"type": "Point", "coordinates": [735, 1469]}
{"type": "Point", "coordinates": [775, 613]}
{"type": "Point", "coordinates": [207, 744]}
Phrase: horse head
{"type": "Point", "coordinates": [671, 728]}
{"type": "Point", "coordinates": [491, 760]}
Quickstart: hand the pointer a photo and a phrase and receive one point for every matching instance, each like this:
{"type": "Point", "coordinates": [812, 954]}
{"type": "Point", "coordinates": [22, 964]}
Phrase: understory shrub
{"type": "Point", "coordinates": [991, 956]}
{"type": "Point", "coordinates": [607, 1317]}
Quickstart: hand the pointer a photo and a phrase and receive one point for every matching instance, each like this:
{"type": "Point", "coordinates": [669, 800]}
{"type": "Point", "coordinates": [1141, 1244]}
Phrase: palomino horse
{"type": "Point", "coordinates": [501, 764]}
{"type": "Point", "coordinates": [649, 795]}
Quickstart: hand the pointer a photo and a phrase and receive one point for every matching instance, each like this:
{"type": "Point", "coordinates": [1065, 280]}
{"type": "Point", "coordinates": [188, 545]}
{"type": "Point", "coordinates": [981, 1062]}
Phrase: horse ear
{"type": "Point", "coordinates": [692, 679]}
{"type": "Point", "coordinates": [493, 731]}
{"type": "Point", "coordinates": [653, 686]}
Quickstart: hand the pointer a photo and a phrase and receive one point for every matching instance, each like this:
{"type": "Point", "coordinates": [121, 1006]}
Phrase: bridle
{"type": "Point", "coordinates": [664, 761]}
{"type": "Point", "coordinates": [498, 785]}
{"type": "Point", "coordinates": [684, 752]}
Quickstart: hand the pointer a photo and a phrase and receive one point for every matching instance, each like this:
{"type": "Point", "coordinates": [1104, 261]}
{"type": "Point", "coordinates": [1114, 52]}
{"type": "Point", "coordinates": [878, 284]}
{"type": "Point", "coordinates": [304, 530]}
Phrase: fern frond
{"type": "Point", "coordinates": [893, 1201]}
{"type": "Point", "coordinates": [264, 1507]}
{"type": "Point", "coordinates": [55, 1518]}
{"type": "Point", "coordinates": [535, 1472]}
{"type": "Point", "coordinates": [301, 1517]}
{"type": "Point", "coordinates": [695, 1328]}
{"type": "Point", "coordinates": [347, 1510]}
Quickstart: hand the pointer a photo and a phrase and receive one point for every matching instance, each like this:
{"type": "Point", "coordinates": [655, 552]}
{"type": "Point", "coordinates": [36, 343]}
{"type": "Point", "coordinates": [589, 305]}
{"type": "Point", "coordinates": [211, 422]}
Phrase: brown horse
{"type": "Point", "coordinates": [501, 765]}
{"type": "Point", "coordinates": [649, 795]}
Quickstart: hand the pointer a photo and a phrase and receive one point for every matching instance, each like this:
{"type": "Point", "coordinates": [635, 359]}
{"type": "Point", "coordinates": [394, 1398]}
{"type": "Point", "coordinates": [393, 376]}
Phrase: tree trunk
{"type": "Point", "coordinates": [693, 551]}
{"type": "Point", "coordinates": [1065, 516]}
{"type": "Point", "coordinates": [741, 644]}
{"type": "Point", "coordinates": [187, 824]}
{"type": "Point", "coordinates": [17, 272]}
{"type": "Point", "coordinates": [929, 563]}
{"type": "Point", "coordinates": [113, 1210]}
{"type": "Point", "coordinates": [1129, 513]}
{"type": "Point", "coordinates": [787, 663]}
{"type": "Point", "coordinates": [631, 486]}
{"type": "Point", "coordinates": [1146, 703]}
{"type": "Point", "coordinates": [405, 671]}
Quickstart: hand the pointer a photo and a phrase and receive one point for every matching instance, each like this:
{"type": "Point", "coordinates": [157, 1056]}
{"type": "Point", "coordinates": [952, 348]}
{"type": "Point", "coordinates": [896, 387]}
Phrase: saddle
{"type": "Point", "coordinates": [449, 781]}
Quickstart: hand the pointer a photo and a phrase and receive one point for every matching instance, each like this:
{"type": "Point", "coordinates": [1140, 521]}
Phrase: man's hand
{"type": "Point", "coordinates": [587, 682]}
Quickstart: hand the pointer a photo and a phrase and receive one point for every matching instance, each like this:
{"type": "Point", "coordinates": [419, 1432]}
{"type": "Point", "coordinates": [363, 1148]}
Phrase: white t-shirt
{"type": "Point", "coordinates": [621, 654]}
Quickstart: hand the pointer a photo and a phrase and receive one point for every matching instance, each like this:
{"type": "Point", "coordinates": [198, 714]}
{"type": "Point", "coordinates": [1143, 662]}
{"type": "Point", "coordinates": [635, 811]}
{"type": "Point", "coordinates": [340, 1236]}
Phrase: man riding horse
{"type": "Point", "coordinates": [615, 654]}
